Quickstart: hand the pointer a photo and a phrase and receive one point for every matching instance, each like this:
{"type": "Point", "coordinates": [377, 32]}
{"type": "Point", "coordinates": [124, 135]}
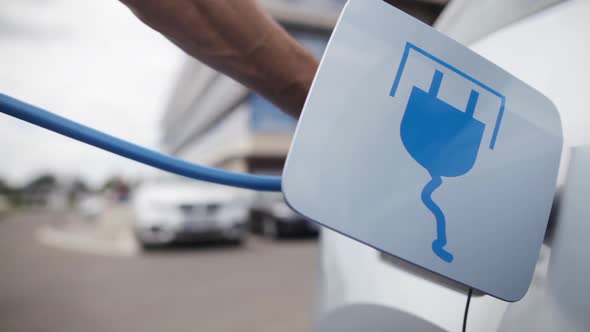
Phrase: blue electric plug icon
{"type": "Point", "coordinates": [443, 139]}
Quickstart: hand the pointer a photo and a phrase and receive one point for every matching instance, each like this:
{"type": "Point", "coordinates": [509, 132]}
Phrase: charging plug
{"type": "Point", "coordinates": [445, 141]}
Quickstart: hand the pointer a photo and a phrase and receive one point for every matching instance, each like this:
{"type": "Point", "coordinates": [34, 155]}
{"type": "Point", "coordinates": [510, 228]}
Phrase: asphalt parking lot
{"type": "Point", "coordinates": [263, 286]}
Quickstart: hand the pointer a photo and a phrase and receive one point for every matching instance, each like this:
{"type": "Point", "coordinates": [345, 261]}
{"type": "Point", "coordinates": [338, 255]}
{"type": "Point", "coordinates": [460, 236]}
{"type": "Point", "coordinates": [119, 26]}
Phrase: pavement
{"type": "Point", "coordinates": [109, 234]}
{"type": "Point", "coordinates": [48, 286]}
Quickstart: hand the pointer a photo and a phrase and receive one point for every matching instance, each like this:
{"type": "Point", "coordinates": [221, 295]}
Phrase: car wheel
{"type": "Point", "coordinates": [238, 241]}
{"type": "Point", "coordinates": [238, 238]}
{"type": "Point", "coordinates": [146, 246]}
{"type": "Point", "coordinates": [270, 228]}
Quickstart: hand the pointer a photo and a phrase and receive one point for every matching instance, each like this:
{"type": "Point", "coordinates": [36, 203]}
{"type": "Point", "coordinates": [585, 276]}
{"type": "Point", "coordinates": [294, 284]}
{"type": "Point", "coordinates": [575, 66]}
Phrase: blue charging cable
{"type": "Point", "coordinates": [79, 132]}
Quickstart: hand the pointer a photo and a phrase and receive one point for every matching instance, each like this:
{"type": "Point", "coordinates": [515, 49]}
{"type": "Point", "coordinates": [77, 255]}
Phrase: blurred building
{"type": "Point", "coordinates": [216, 121]}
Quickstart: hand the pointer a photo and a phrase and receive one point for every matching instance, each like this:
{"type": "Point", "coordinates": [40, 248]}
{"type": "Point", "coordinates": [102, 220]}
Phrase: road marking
{"type": "Point", "coordinates": [64, 239]}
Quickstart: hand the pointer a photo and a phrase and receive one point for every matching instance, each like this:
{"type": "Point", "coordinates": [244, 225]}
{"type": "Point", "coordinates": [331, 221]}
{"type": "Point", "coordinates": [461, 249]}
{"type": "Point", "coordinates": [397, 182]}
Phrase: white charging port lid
{"type": "Point", "coordinates": [413, 144]}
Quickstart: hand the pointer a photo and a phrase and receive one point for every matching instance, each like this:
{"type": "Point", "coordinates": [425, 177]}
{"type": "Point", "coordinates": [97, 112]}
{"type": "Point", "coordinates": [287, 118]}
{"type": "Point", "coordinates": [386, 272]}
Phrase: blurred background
{"type": "Point", "coordinates": [93, 242]}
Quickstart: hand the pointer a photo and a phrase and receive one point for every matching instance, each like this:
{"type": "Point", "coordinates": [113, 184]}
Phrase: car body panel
{"type": "Point", "coordinates": [182, 211]}
{"type": "Point", "coordinates": [546, 51]}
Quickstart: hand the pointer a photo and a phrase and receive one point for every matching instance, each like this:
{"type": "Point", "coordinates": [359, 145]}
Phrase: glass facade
{"type": "Point", "coordinates": [267, 118]}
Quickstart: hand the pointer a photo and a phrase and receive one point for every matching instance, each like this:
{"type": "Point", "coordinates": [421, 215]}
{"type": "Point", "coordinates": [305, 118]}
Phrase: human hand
{"type": "Point", "coordinates": [239, 39]}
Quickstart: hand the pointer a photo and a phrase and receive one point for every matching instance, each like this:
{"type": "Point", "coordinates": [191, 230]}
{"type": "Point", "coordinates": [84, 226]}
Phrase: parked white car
{"type": "Point", "coordinates": [178, 210]}
{"type": "Point", "coordinates": [544, 43]}
{"type": "Point", "coordinates": [90, 206]}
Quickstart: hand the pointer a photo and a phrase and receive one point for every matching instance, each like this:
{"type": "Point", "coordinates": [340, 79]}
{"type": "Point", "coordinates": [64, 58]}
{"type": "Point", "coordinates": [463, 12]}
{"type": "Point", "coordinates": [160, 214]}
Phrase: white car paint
{"type": "Point", "coordinates": [91, 206]}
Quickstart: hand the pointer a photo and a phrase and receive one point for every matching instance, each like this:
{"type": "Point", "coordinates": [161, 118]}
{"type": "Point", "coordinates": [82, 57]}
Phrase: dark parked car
{"type": "Point", "coordinates": [271, 217]}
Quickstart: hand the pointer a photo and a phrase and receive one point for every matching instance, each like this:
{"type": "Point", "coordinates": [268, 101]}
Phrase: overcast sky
{"type": "Point", "coordinates": [90, 61]}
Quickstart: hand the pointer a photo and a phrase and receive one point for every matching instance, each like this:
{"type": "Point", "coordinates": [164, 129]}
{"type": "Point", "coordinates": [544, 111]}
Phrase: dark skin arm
{"type": "Point", "coordinates": [237, 38]}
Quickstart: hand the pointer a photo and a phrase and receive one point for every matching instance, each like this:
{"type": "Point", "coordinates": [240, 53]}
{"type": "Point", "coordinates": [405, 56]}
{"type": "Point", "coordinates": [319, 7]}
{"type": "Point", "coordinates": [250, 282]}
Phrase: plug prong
{"type": "Point", "coordinates": [436, 81]}
{"type": "Point", "coordinates": [472, 103]}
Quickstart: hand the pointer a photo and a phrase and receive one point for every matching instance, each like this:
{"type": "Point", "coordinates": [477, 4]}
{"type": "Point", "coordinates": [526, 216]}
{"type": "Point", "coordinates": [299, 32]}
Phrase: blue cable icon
{"type": "Point", "coordinates": [441, 138]}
